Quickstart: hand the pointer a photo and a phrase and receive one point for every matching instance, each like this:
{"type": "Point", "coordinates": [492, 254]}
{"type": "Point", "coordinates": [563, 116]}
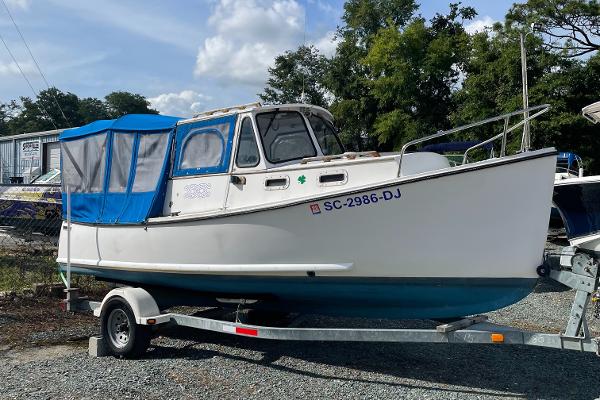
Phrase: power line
{"type": "Point", "coordinates": [36, 64]}
{"type": "Point", "coordinates": [28, 82]}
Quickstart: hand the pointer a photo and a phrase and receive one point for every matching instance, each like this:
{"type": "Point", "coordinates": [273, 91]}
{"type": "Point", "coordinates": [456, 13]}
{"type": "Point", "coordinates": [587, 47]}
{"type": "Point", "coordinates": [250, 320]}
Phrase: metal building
{"type": "Point", "coordinates": [27, 156]}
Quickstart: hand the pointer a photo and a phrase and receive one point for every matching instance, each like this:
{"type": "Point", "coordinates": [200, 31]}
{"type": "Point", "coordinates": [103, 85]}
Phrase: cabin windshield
{"type": "Point", "coordinates": [284, 136]}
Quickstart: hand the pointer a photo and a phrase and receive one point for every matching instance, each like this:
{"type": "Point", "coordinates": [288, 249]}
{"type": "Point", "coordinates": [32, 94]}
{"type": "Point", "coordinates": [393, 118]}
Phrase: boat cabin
{"type": "Point", "coordinates": [141, 168]}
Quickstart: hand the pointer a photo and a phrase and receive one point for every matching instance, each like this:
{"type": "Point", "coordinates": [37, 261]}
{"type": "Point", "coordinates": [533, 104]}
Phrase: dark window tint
{"type": "Point", "coordinates": [284, 136]}
{"type": "Point", "coordinates": [247, 155]}
{"type": "Point", "coordinates": [326, 136]}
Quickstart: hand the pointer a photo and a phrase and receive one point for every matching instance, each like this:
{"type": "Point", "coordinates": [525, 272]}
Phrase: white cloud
{"type": "Point", "coordinates": [327, 44]}
{"type": "Point", "coordinates": [22, 4]}
{"type": "Point", "coordinates": [249, 34]}
{"type": "Point", "coordinates": [480, 25]}
{"type": "Point", "coordinates": [185, 103]}
{"type": "Point", "coordinates": [11, 68]}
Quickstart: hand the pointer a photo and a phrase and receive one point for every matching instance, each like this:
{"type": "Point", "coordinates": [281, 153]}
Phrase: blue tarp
{"type": "Point", "coordinates": [570, 158]}
{"type": "Point", "coordinates": [87, 156]}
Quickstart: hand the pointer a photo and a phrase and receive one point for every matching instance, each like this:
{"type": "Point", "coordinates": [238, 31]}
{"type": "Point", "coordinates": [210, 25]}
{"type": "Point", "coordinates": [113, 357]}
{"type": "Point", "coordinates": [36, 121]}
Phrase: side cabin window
{"type": "Point", "coordinates": [284, 136]}
{"type": "Point", "coordinates": [204, 147]}
{"type": "Point", "coordinates": [247, 154]}
{"type": "Point", "coordinates": [325, 133]}
{"type": "Point", "coordinates": [83, 164]}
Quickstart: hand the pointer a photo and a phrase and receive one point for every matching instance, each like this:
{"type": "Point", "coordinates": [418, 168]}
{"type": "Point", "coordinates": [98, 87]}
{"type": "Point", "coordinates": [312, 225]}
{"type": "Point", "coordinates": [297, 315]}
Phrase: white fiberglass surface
{"type": "Point", "coordinates": [488, 222]}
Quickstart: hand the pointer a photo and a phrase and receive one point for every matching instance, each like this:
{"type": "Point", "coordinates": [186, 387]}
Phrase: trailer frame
{"type": "Point", "coordinates": [576, 269]}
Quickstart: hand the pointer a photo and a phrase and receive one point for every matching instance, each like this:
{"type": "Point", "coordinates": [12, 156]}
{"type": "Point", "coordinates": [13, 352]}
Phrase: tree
{"type": "Point", "coordinates": [92, 109]}
{"type": "Point", "coordinates": [414, 73]}
{"type": "Point", "coordinates": [121, 103]}
{"type": "Point", "coordinates": [493, 86]}
{"type": "Point", "coordinates": [52, 109]}
{"type": "Point", "coordinates": [354, 106]}
{"type": "Point", "coordinates": [572, 26]}
{"type": "Point", "coordinates": [295, 73]}
{"type": "Point", "coordinates": [4, 118]}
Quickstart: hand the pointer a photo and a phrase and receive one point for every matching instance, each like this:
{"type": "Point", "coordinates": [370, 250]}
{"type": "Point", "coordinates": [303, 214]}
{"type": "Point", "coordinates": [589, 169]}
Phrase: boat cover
{"type": "Point", "coordinates": [570, 158]}
{"type": "Point", "coordinates": [117, 169]}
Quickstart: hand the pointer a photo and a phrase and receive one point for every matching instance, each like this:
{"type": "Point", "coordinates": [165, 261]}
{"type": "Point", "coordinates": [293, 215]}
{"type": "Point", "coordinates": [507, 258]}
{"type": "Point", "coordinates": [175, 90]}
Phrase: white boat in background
{"type": "Point", "coordinates": [261, 204]}
{"type": "Point", "coordinates": [577, 197]}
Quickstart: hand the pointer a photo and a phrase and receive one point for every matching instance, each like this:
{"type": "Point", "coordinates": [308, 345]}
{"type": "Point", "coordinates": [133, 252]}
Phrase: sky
{"type": "Point", "coordinates": [185, 56]}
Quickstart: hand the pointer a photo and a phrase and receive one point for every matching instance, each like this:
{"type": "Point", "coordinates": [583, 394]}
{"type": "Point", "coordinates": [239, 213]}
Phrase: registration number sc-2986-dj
{"type": "Point", "coordinates": [363, 200]}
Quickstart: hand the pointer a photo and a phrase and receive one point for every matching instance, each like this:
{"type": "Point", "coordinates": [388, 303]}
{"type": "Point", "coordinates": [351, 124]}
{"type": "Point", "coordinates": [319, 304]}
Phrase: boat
{"type": "Point", "coordinates": [34, 207]}
{"type": "Point", "coordinates": [577, 197]}
{"type": "Point", "coordinates": [260, 205]}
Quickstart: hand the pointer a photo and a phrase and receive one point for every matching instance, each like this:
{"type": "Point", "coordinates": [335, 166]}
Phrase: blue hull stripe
{"type": "Point", "coordinates": [360, 297]}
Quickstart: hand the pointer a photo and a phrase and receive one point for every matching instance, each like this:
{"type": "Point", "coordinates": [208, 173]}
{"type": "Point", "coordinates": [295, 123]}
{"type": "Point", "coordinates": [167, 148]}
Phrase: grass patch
{"type": "Point", "coordinates": [20, 270]}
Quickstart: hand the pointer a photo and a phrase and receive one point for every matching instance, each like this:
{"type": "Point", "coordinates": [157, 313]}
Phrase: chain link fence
{"type": "Point", "coordinates": [30, 221]}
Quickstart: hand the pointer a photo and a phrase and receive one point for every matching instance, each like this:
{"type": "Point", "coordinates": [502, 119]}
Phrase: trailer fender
{"type": "Point", "coordinates": [142, 304]}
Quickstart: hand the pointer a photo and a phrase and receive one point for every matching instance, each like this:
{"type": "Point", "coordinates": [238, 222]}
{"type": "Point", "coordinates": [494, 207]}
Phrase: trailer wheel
{"type": "Point", "coordinates": [122, 335]}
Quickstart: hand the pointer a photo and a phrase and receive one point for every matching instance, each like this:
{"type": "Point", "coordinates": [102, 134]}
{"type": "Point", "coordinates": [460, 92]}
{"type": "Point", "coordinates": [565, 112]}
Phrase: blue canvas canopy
{"type": "Point", "coordinates": [117, 169]}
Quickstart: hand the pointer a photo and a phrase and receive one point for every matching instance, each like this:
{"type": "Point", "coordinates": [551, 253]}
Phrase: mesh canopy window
{"type": "Point", "coordinates": [205, 148]}
{"type": "Point", "coordinates": [83, 163]}
{"type": "Point", "coordinates": [122, 148]}
{"type": "Point", "coordinates": [150, 159]}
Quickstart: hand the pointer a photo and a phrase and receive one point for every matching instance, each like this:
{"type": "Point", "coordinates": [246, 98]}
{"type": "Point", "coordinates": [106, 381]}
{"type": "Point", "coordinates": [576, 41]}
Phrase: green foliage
{"type": "Point", "coordinates": [572, 26]}
{"type": "Point", "coordinates": [413, 73]}
{"type": "Point", "coordinates": [92, 109]}
{"type": "Point", "coordinates": [395, 76]}
{"type": "Point", "coordinates": [56, 109]}
{"type": "Point", "coordinates": [348, 78]}
{"type": "Point", "coordinates": [121, 103]}
{"type": "Point", "coordinates": [4, 118]}
{"type": "Point", "coordinates": [296, 72]}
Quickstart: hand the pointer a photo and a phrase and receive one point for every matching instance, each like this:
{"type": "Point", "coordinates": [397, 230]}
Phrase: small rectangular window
{"type": "Point", "coordinates": [122, 149]}
{"type": "Point", "coordinates": [247, 154]}
{"type": "Point", "coordinates": [150, 158]}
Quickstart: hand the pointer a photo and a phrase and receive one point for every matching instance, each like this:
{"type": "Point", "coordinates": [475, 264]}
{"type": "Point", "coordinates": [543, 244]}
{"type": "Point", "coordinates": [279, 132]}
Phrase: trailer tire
{"type": "Point", "coordinates": [123, 337]}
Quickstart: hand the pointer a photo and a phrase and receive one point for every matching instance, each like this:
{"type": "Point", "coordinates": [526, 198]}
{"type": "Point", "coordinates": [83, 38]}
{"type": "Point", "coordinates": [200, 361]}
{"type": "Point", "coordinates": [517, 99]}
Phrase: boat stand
{"type": "Point", "coordinates": [576, 269]}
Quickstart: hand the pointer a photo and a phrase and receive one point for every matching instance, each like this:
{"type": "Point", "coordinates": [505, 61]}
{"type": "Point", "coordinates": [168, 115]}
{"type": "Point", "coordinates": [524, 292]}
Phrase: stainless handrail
{"type": "Point", "coordinates": [504, 134]}
{"type": "Point", "coordinates": [543, 107]}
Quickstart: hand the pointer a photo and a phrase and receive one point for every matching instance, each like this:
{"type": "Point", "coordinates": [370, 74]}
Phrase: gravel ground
{"type": "Point", "coordinates": [182, 363]}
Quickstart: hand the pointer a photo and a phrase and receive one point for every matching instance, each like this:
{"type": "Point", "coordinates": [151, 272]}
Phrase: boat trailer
{"type": "Point", "coordinates": [128, 315]}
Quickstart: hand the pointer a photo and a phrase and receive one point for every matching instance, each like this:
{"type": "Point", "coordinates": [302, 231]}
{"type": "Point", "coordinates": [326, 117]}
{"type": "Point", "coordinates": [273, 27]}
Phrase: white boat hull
{"type": "Point", "coordinates": [479, 222]}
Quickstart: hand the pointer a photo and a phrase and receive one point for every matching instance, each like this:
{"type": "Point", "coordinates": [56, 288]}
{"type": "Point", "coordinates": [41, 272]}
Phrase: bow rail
{"type": "Point", "coordinates": [541, 109]}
